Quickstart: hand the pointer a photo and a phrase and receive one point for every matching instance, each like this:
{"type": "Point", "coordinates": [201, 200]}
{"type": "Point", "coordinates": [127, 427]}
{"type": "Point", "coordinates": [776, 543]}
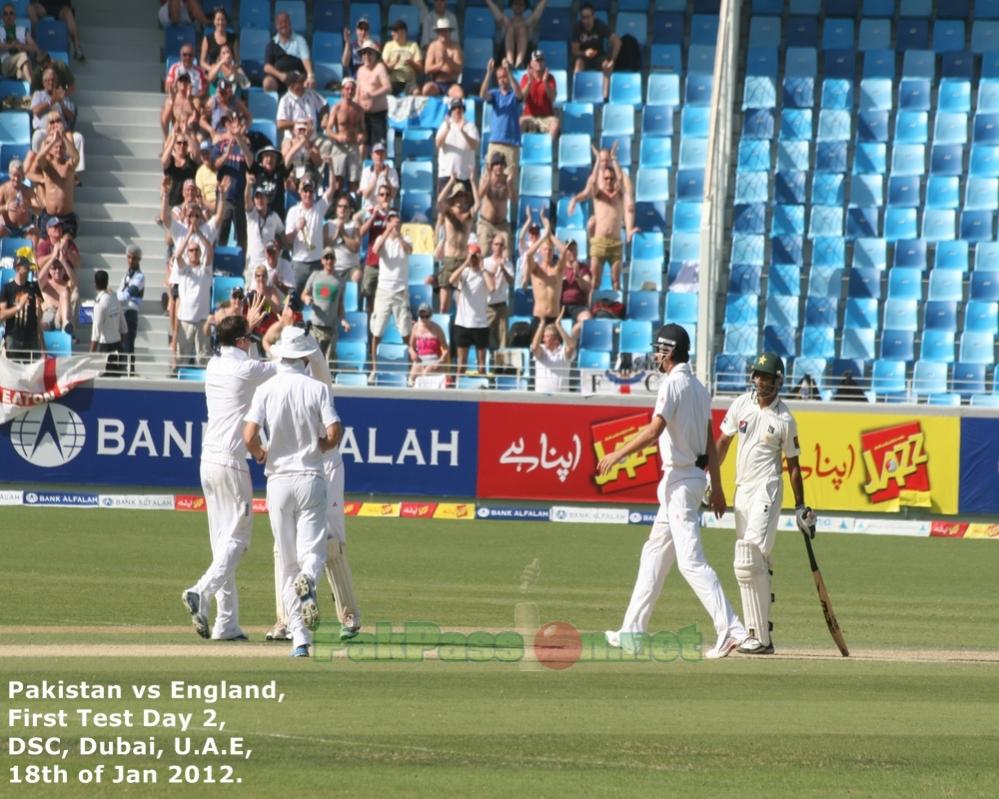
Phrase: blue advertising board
{"type": "Point", "coordinates": [979, 486]}
{"type": "Point", "coordinates": [110, 436]}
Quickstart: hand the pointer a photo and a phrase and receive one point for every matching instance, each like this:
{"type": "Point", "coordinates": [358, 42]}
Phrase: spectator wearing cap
{"type": "Point", "coordinates": [180, 160]}
{"type": "Point", "coordinates": [553, 350]}
{"type": "Point", "coordinates": [21, 313]}
{"type": "Point", "coordinates": [286, 52]}
{"type": "Point", "coordinates": [18, 205]}
{"type": "Point", "coordinates": [280, 274]}
{"type": "Point", "coordinates": [343, 234]}
{"type": "Point", "coordinates": [192, 275]}
{"type": "Point", "coordinates": [220, 107]}
{"type": "Point", "coordinates": [403, 60]}
{"type": "Point", "coordinates": [591, 39]}
{"type": "Point", "coordinates": [304, 230]}
{"type": "Point", "coordinates": [206, 180]}
{"type": "Point", "coordinates": [392, 294]}
{"type": "Point", "coordinates": [299, 104]}
{"type": "Point", "coordinates": [131, 290]}
{"type": "Point", "coordinates": [429, 17]}
{"type": "Point", "coordinates": [60, 295]}
{"type": "Point", "coordinates": [380, 173]}
{"type": "Point", "coordinates": [444, 63]}
{"type": "Point", "coordinates": [187, 67]}
{"type": "Point", "coordinates": [351, 57]}
{"type": "Point", "coordinates": [517, 31]}
{"type": "Point", "coordinates": [471, 322]}
{"type": "Point", "coordinates": [373, 89]}
{"type": "Point", "coordinates": [262, 224]}
{"type": "Point", "coordinates": [181, 109]}
{"type": "Point", "coordinates": [58, 243]}
{"type": "Point", "coordinates": [213, 42]}
{"type": "Point", "coordinates": [109, 325]}
{"type": "Point", "coordinates": [345, 129]}
{"type": "Point", "coordinates": [504, 130]}
{"type": "Point", "coordinates": [374, 224]}
{"type": "Point", "coordinates": [539, 90]}
{"type": "Point", "coordinates": [270, 174]}
{"type": "Point", "coordinates": [233, 155]}
{"type": "Point", "coordinates": [499, 266]}
{"type": "Point", "coordinates": [457, 143]}
{"type": "Point", "coordinates": [49, 105]}
{"type": "Point", "coordinates": [496, 196]}
{"type": "Point", "coordinates": [17, 48]}
{"type": "Point", "coordinates": [324, 292]}
{"type": "Point", "coordinates": [455, 211]}
{"type": "Point", "coordinates": [428, 347]}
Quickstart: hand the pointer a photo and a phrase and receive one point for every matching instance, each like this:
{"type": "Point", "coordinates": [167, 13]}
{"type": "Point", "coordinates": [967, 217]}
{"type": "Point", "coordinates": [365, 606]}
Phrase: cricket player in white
{"type": "Point", "coordinates": [231, 377]}
{"type": "Point", "coordinates": [298, 414]}
{"type": "Point", "coordinates": [766, 430]}
{"type": "Point", "coordinates": [681, 422]}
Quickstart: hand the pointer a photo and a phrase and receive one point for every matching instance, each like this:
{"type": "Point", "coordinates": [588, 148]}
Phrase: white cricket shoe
{"type": "Point", "coordinates": [754, 646]}
{"type": "Point", "coordinates": [722, 649]}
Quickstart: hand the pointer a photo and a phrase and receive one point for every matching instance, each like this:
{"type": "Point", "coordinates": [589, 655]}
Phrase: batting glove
{"type": "Point", "coordinates": [806, 519]}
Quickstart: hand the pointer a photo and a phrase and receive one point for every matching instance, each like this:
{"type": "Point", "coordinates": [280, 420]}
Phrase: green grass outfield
{"type": "Point", "coordinates": [94, 595]}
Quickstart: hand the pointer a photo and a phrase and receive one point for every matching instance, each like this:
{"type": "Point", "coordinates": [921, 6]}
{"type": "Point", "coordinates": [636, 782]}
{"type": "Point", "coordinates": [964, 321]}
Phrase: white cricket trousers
{"type": "Point", "coordinates": [676, 536]}
{"type": "Point", "coordinates": [229, 499]}
{"type": "Point", "coordinates": [757, 514]}
{"type": "Point", "coordinates": [296, 504]}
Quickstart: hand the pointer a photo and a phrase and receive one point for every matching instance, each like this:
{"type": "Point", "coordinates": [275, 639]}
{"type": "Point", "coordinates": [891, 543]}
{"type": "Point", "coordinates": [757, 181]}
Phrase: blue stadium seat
{"type": "Point", "coordinates": [888, 377]}
{"type": "Point", "coordinates": [644, 305]}
{"type": "Point", "coordinates": [741, 309]}
{"type": "Point", "coordinates": [981, 194]}
{"type": "Point", "coordinates": [946, 285]}
{"type": "Point", "coordinates": [977, 347]}
{"type": "Point", "coordinates": [779, 340]}
{"type": "Point", "coordinates": [937, 346]}
{"type": "Point", "coordinates": [912, 34]}
{"type": "Point", "coordinates": [681, 307]}
{"type": "Point", "coordinates": [741, 340]}
{"type": "Point", "coordinates": [758, 123]}
{"type": "Point", "coordinates": [666, 58]}
{"type": "Point", "coordinates": [939, 224]}
{"type": "Point", "coordinates": [759, 91]}
{"type": "Point", "coordinates": [748, 249]}
{"type": "Point", "coordinates": [650, 215]}
{"type": "Point", "coordinates": [984, 285]}
{"type": "Point", "coordinates": [901, 314]}
{"type": "Point", "coordinates": [957, 65]}
{"type": "Point", "coordinates": [787, 220]}
{"type": "Point", "coordinates": [947, 159]}
{"type": "Point", "coordinates": [968, 378]}
{"type": "Point", "coordinates": [752, 187]}
{"type": "Point", "coordinates": [801, 31]}
{"type": "Point", "coordinates": [647, 246]}
{"type": "Point", "coordinates": [798, 92]}
{"type": "Point", "coordinates": [536, 181]}
{"type": "Point", "coordinates": [950, 129]}
{"type": "Point", "coordinates": [257, 14]}
{"type": "Point", "coordinates": [818, 342]}
{"type": "Point", "coordinates": [626, 89]}
{"type": "Point", "coordinates": [929, 377]}
{"type": "Point", "coordinates": [656, 152]}
{"type": "Point", "coordinates": [834, 125]}
{"type": "Point", "coordinates": [825, 282]}
{"type": "Point", "coordinates": [744, 279]}
{"type": "Point", "coordinates": [697, 89]}
{"type": "Point", "coordinates": [787, 250]}
{"type": "Point", "coordinates": [864, 282]}
{"type": "Point", "coordinates": [828, 251]}
{"type": "Point", "coordinates": [952, 255]}
{"type": "Point", "coordinates": [657, 121]}
{"type": "Point", "coordinates": [578, 118]}
{"type": "Point", "coordinates": [597, 334]}
{"type": "Point", "coordinates": [536, 148]}
{"type": "Point", "coordinates": [977, 226]}
{"type": "Point", "coordinates": [750, 218]}
{"type": "Point", "coordinates": [821, 311]}
{"type": "Point", "coordinates": [731, 372]}
{"type": "Point", "coordinates": [329, 16]}
{"type": "Point", "coordinates": [782, 311]}
{"type": "Point", "coordinates": [754, 156]}
{"type": "Point", "coordinates": [667, 27]}
{"type": "Point", "coordinates": [981, 316]}
{"type": "Point", "coordinates": [905, 283]}
{"type": "Point", "coordinates": [789, 188]}
{"type": "Point", "coordinates": [588, 87]}
{"type": "Point", "coordinates": [652, 185]}
{"type": "Point", "coordinates": [940, 315]}
{"type": "Point", "coordinates": [857, 343]}
{"type": "Point", "coordinates": [416, 206]}
{"type": "Point", "coordinates": [864, 223]}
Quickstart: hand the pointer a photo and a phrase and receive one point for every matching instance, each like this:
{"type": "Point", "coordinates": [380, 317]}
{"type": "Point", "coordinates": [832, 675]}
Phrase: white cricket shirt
{"type": "Point", "coordinates": [764, 435]}
{"type": "Point", "coordinates": [685, 405]}
{"type": "Point", "coordinates": [109, 320]}
{"type": "Point", "coordinates": [231, 377]}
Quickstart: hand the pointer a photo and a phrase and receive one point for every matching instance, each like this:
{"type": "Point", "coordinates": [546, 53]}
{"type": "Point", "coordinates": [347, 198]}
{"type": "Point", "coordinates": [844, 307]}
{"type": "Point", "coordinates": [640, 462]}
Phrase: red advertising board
{"type": "Point", "coordinates": [529, 451]}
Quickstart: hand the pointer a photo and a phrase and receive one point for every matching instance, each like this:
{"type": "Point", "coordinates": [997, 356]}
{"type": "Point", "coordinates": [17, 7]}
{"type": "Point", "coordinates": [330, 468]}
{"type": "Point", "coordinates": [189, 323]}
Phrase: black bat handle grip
{"type": "Point", "coordinates": [811, 552]}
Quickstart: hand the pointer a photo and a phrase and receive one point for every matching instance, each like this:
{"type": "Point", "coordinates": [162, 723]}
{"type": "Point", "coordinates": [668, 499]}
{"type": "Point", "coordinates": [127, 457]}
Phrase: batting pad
{"type": "Point", "coordinates": [753, 574]}
{"type": "Point", "coordinates": [341, 581]}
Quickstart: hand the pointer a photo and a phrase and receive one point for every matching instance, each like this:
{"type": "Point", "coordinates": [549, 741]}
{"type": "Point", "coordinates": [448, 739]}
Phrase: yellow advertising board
{"type": "Point", "coordinates": [873, 462]}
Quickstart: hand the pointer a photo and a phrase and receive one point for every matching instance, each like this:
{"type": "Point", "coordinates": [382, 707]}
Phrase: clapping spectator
{"type": "Point", "coordinates": [188, 66]}
{"type": "Point", "coordinates": [517, 31]}
{"type": "Point", "coordinates": [444, 63]}
{"type": "Point", "coordinates": [594, 45]}
{"type": "Point", "coordinates": [219, 108]}
{"type": "Point", "coordinates": [496, 193]}
{"type": "Point", "coordinates": [530, 233]}
{"type": "Point", "coordinates": [180, 111]}
{"type": "Point", "coordinates": [54, 171]}
{"type": "Point", "coordinates": [227, 67]}
{"type": "Point", "coordinates": [262, 224]}
{"type": "Point", "coordinates": [539, 88]}
{"type": "Point", "coordinates": [60, 295]}
{"type": "Point", "coordinates": [546, 279]}
{"type": "Point", "coordinates": [374, 224]}
{"type": "Point", "coordinates": [300, 152]}
{"type": "Point", "coordinates": [351, 57]}
{"type": "Point", "coordinates": [192, 275]}
{"type": "Point", "coordinates": [270, 174]}
{"type": "Point", "coordinates": [457, 143]}
{"type": "Point", "coordinates": [278, 271]}
{"type": "Point", "coordinates": [298, 104]}
{"type": "Point", "coordinates": [60, 9]}
{"type": "Point", "coordinates": [48, 105]}
{"type": "Point", "coordinates": [553, 351]}
{"type": "Point", "coordinates": [21, 313]}
{"type": "Point", "coordinates": [180, 160]}
{"type": "Point", "coordinates": [504, 130]}
{"type": "Point", "coordinates": [373, 89]}
{"type": "Point", "coordinates": [392, 294]}
{"type": "Point", "coordinates": [58, 243]}
{"type": "Point", "coordinates": [219, 37]}
{"type": "Point", "coordinates": [403, 60]}
{"type": "Point", "coordinates": [380, 173]}
{"type": "Point", "coordinates": [498, 265]}
{"type": "Point", "coordinates": [233, 155]}
{"type": "Point", "coordinates": [324, 292]}
{"type": "Point", "coordinates": [471, 322]}
{"type": "Point", "coordinates": [577, 285]}
{"type": "Point", "coordinates": [345, 129]}
{"type": "Point", "coordinates": [304, 230]}
{"type": "Point", "coordinates": [130, 294]}
{"type": "Point", "coordinates": [343, 234]}
{"type": "Point", "coordinates": [109, 325]}
{"type": "Point", "coordinates": [18, 205]}
{"type": "Point", "coordinates": [428, 348]}
{"type": "Point", "coordinates": [286, 52]}
{"type": "Point", "coordinates": [456, 209]}
{"type": "Point", "coordinates": [17, 48]}
{"type": "Point", "coordinates": [190, 215]}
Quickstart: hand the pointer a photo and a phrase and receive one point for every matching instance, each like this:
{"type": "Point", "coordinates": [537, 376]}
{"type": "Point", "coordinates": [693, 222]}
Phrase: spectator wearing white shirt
{"type": "Point", "coordinates": [392, 293]}
{"type": "Point", "coordinates": [231, 378]}
{"type": "Point", "coordinates": [17, 48]}
{"type": "Point", "coordinates": [304, 229]}
{"type": "Point", "coordinates": [130, 294]}
{"type": "Point", "coordinates": [343, 234]}
{"type": "Point", "coordinates": [498, 265]}
{"type": "Point", "coordinates": [280, 273]}
{"type": "Point", "coordinates": [262, 223]}
{"type": "Point", "coordinates": [457, 143]}
{"type": "Point", "coordinates": [297, 411]}
{"type": "Point", "coordinates": [192, 275]}
{"type": "Point", "coordinates": [298, 104]}
{"type": "Point", "coordinates": [553, 350]}
{"type": "Point", "coordinates": [429, 17]}
{"type": "Point", "coordinates": [471, 322]}
{"type": "Point", "coordinates": [379, 173]}
{"type": "Point", "coordinates": [109, 324]}
{"type": "Point", "coordinates": [287, 52]}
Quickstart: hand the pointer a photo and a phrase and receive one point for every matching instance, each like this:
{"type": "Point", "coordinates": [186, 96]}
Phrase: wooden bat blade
{"type": "Point", "coordinates": [827, 611]}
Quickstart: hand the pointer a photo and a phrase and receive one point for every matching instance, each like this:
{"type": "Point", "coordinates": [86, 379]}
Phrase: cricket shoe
{"type": "Point", "coordinates": [629, 642]}
{"type": "Point", "coordinates": [192, 601]}
{"type": "Point", "coordinates": [754, 646]}
{"type": "Point", "coordinates": [300, 651]}
{"type": "Point", "coordinates": [722, 649]}
{"type": "Point", "coordinates": [350, 628]}
{"type": "Point", "coordinates": [279, 632]}
{"type": "Point", "coordinates": [306, 592]}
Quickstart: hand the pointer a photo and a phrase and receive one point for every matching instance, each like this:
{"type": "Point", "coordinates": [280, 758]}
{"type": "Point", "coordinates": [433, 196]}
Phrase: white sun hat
{"type": "Point", "coordinates": [294, 343]}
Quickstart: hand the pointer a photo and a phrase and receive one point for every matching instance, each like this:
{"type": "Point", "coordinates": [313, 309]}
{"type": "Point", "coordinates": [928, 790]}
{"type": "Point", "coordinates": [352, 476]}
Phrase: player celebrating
{"type": "Point", "coordinates": [681, 422]}
{"type": "Point", "coordinates": [766, 429]}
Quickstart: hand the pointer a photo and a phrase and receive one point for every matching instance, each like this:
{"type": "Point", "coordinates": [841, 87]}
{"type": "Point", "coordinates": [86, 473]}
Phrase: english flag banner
{"type": "Point", "coordinates": [24, 386]}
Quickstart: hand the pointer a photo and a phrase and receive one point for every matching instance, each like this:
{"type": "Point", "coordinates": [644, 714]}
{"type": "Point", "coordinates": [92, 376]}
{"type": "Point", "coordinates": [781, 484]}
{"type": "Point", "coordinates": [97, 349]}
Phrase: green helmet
{"type": "Point", "coordinates": [769, 363]}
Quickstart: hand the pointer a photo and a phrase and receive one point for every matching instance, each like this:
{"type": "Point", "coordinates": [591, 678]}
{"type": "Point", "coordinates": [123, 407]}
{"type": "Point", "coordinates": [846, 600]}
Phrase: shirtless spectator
{"type": "Point", "coordinates": [18, 205]}
{"type": "Point", "coordinates": [17, 48]}
{"type": "Point", "coordinates": [180, 108]}
{"type": "Point", "coordinates": [299, 104]}
{"type": "Point", "coordinates": [270, 174]}
{"type": "Point", "coordinates": [180, 12]}
{"type": "Point", "coordinates": [546, 281]}
{"type": "Point", "coordinates": [577, 285]}
{"type": "Point", "coordinates": [219, 37]}
{"type": "Point", "coordinates": [403, 60]}
{"type": "Point", "coordinates": [471, 322]}
{"type": "Point", "coordinates": [286, 52]}
{"type": "Point", "coordinates": [530, 232]}
{"type": "Point", "coordinates": [456, 207]}
{"type": "Point", "coordinates": [539, 89]}
{"type": "Point", "coordinates": [591, 38]}
{"type": "Point", "coordinates": [300, 153]}
{"type": "Point", "coordinates": [504, 130]}
{"type": "Point", "coordinates": [48, 104]}
{"type": "Point", "coordinates": [278, 271]}
{"type": "Point", "coordinates": [59, 9]}
{"type": "Point", "coordinates": [444, 63]}
{"type": "Point", "coordinates": [380, 173]}
{"type": "Point", "coordinates": [613, 206]}
{"type": "Point", "coordinates": [553, 350]}
{"type": "Point", "coordinates": [374, 224]}
{"type": "Point", "coordinates": [60, 295]}
{"type": "Point", "coordinates": [428, 348]}
{"type": "Point", "coordinates": [54, 173]}
{"type": "Point", "coordinates": [351, 57]}
{"type": "Point", "coordinates": [373, 89]}
{"type": "Point", "coordinates": [187, 66]}
{"type": "Point", "coordinates": [343, 234]}
{"type": "Point", "coordinates": [457, 142]}
{"type": "Point", "coordinates": [262, 224]}
{"type": "Point", "coordinates": [495, 194]}
{"type": "Point", "coordinates": [498, 265]}
{"type": "Point", "coordinates": [218, 109]}
{"type": "Point", "coordinates": [518, 31]}
{"type": "Point", "coordinates": [227, 67]}
{"type": "Point", "coordinates": [180, 160]}
{"type": "Point", "coordinates": [429, 17]}
{"type": "Point", "coordinates": [345, 129]}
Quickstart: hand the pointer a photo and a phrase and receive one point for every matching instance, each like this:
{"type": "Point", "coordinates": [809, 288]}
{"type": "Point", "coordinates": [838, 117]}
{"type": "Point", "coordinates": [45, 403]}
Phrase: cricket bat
{"type": "Point", "coordinates": [827, 609]}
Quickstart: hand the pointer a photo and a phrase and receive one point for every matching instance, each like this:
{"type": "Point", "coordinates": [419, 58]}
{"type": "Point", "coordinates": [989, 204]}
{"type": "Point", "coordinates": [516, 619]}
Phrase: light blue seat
{"type": "Point", "coordinates": [939, 224]}
{"type": "Point", "coordinates": [898, 345]}
{"type": "Point", "coordinates": [827, 188]}
{"type": "Point", "coordinates": [744, 279]}
{"type": "Point", "coordinates": [977, 347]}
{"type": "Point", "coordinates": [644, 305]}
{"type": "Point", "coordinates": [937, 346]}
{"type": "Point", "coordinates": [952, 255]}
{"type": "Point", "coordinates": [888, 377]}
{"type": "Point", "coordinates": [663, 89]}
{"type": "Point", "coordinates": [597, 334]}
{"type": "Point", "coordinates": [837, 93]}
{"type": "Point", "coordinates": [788, 220]}
{"type": "Point", "coordinates": [536, 148]}
{"type": "Point", "coordinates": [635, 336]}
{"type": "Point", "coordinates": [982, 316]}
{"type": "Point", "coordinates": [741, 309]}
{"type": "Point", "coordinates": [536, 181]}
{"type": "Point", "coordinates": [912, 127]}
{"type": "Point", "coordinates": [731, 372]}
{"type": "Point", "coordinates": [574, 150]}
{"type": "Point", "coordinates": [796, 124]}
{"type": "Point", "coordinates": [857, 343]}
{"type": "Point", "coordinates": [748, 249]}
{"type": "Point", "coordinates": [870, 158]}
{"type": "Point", "coordinates": [782, 311]}
{"type": "Point", "coordinates": [818, 341]}
{"type": "Point", "coordinates": [681, 307]}
{"type": "Point", "coordinates": [759, 92]}
{"type": "Point", "coordinates": [655, 152]}
{"type": "Point", "coordinates": [984, 160]}
{"type": "Point", "coordinates": [588, 87]}
{"type": "Point", "coordinates": [780, 340]}
{"type": "Point", "coordinates": [861, 313]}
{"type": "Point", "coordinates": [834, 125]}
{"type": "Point", "coordinates": [798, 92]}
{"type": "Point", "coordinates": [754, 156]}
{"type": "Point", "coordinates": [741, 340]}
{"type": "Point", "coordinates": [657, 121]}
{"type": "Point", "coordinates": [929, 377]}
{"type": "Point", "coordinates": [825, 281]}
{"type": "Point", "coordinates": [750, 218]}
{"type": "Point", "coordinates": [900, 223]}
{"type": "Point", "coordinates": [905, 283]}
{"type": "Point", "coordinates": [626, 89]}
{"type": "Point", "coordinates": [901, 314]}
{"type": "Point", "coordinates": [828, 251]}
{"type": "Point", "coordinates": [821, 311]}
{"type": "Point", "coordinates": [686, 216]}
{"type": "Point", "coordinates": [950, 128]}
{"type": "Point", "coordinates": [867, 191]}
{"type": "Point", "coordinates": [954, 95]}
{"type": "Point", "coordinates": [870, 253]}
{"type": "Point", "coordinates": [694, 121]}
{"type": "Point", "coordinates": [618, 120]}
{"type": "Point", "coordinates": [651, 184]}
{"type": "Point", "coordinates": [946, 284]}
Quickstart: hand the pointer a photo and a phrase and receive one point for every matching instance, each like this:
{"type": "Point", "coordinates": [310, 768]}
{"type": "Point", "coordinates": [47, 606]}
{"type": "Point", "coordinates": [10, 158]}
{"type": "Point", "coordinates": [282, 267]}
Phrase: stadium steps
{"type": "Point", "coordinates": [119, 100]}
